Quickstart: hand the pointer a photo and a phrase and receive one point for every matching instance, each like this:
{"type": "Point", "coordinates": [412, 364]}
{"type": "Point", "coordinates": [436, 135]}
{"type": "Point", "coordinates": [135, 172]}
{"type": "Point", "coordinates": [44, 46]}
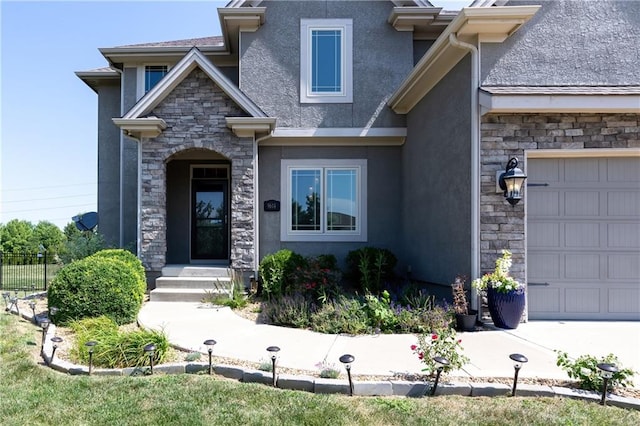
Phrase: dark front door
{"type": "Point", "coordinates": [209, 220]}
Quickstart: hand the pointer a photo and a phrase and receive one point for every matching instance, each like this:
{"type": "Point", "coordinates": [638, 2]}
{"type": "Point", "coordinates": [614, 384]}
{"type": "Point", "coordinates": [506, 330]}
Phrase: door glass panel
{"type": "Point", "coordinates": [209, 221]}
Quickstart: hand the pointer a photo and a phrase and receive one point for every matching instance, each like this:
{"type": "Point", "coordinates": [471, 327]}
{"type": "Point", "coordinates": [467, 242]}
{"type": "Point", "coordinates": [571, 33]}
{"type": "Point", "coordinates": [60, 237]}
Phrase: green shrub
{"type": "Point", "coordinates": [128, 258]}
{"type": "Point", "coordinates": [585, 370]}
{"type": "Point", "coordinates": [275, 270]}
{"type": "Point", "coordinates": [115, 349]}
{"type": "Point", "coordinates": [379, 311]}
{"type": "Point", "coordinates": [95, 286]}
{"type": "Point", "coordinates": [318, 278]}
{"type": "Point", "coordinates": [444, 344]}
{"type": "Point", "coordinates": [370, 267]}
{"type": "Point", "coordinates": [287, 311]}
{"type": "Point", "coordinates": [342, 315]}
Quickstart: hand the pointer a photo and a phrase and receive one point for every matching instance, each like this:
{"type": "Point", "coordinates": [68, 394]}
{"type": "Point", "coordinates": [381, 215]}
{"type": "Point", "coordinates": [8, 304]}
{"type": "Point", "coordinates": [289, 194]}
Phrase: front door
{"type": "Point", "coordinates": [209, 220]}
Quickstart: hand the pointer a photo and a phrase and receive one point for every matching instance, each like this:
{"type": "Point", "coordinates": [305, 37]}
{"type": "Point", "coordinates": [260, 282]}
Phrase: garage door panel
{"type": "Point", "coordinates": [547, 171]}
{"type": "Point", "coordinates": [545, 234]}
{"type": "Point", "coordinates": [545, 266]}
{"type": "Point", "coordinates": [581, 170]}
{"type": "Point", "coordinates": [582, 300]}
{"type": "Point", "coordinates": [623, 170]}
{"type": "Point", "coordinates": [623, 203]}
{"type": "Point", "coordinates": [624, 267]}
{"type": "Point", "coordinates": [582, 266]}
{"type": "Point", "coordinates": [544, 204]}
{"type": "Point", "coordinates": [582, 235]}
{"type": "Point", "coordinates": [582, 203]}
{"type": "Point", "coordinates": [624, 300]}
{"type": "Point", "coordinates": [623, 235]}
{"type": "Point", "coordinates": [542, 299]}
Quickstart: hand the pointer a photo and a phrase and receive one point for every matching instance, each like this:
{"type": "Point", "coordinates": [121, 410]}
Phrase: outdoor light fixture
{"type": "Point", "coordinates": [518, 360]}
{"type": "Point", "coordinates": [5, 296]}
{"type": "Point", "coordinates": [441, 363]}
{"type": "Point", "coordinates": [273, 351]}
{"type": "Point", "coordinates": [347, 359]}
{"type": "Point", "coordinates": [55, 340]}
{"type": "Point", "coordinates": [44, 324]}
{"type": "Point", "coordinates": [150, 349]}
{"type": "Point", "coordinates": [511, 181]}
{"type": "Point", "coordinates": [606, 372]}
{"type": "Point", "coordinates": [209, 343]}
{"type": "Point", "coordinates": [14, 302]}
{"type": "Point", "coordinates": [90, 345]}
{"type": "Point", "coordinates": [52, 312]}
{"type": "Point", "coordinates": [32, 305]}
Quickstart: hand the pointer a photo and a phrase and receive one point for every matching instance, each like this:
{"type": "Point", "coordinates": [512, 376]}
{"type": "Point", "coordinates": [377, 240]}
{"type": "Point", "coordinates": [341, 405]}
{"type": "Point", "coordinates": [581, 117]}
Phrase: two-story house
{"type": "Point", "coordinates": [324, 126]}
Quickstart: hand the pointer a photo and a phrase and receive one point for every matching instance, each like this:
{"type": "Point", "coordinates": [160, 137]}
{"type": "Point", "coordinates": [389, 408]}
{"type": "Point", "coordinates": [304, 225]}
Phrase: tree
{"type": "Point", "coordinates": [48, 236]}
{"type": "Point", "coordinates": [16, 237]}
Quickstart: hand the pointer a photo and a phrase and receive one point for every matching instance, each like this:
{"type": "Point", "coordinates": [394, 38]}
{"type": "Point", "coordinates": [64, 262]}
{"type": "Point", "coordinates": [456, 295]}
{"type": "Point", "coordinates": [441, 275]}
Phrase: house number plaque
{"type": "Point", "coordinates": [272, 206]}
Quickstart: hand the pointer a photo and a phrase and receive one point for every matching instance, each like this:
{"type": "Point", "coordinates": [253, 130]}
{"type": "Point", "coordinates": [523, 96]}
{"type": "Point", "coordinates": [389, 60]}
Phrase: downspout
{"type": "Point", "coordinates": [475, 162]}
{"type": "Point", "coordinates": [256, 209]}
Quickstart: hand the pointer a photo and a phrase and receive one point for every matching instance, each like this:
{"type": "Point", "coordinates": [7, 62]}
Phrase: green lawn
{"type": "Point", "coordinates": [19, 277]}
{"type": "Point", "coordinates": [31, 394]}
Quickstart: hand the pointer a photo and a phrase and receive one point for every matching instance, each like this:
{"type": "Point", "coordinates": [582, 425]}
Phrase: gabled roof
{"type": "Point", "coordinates": [136, 124]}
{"type": "Point", "coordinates": [178, 73]}
{"type": "Point", "coordinates": [189, 42]}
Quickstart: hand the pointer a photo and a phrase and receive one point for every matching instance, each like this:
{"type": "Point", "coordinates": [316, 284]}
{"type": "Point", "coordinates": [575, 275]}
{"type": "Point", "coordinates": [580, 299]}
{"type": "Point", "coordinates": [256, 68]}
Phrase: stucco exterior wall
{"type": "Point", "coordinates": [507, 135]}
{"type": "Point", "coordinates": [436, 196]}
{"type": "Point", "coordinates": [573, 42]}
{"type": "Point", "coordinates": [383, 198]}
{"type": "Point", "coordinates": [109, 163]}
{"type": "Point", "coordinates": [195, 115]}
{"type": "Point", "coordinates": [270, 64]}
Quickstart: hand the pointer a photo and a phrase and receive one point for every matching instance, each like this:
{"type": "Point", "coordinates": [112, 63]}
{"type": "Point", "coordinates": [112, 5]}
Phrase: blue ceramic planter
{"type": "Point", "coordinates": [506, 308]}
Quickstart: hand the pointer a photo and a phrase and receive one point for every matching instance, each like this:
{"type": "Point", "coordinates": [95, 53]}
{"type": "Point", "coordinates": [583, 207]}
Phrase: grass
{"type": "Point", "coordinates": [35, 395]}
{"type": "Point", "coordinates": [21, 277]}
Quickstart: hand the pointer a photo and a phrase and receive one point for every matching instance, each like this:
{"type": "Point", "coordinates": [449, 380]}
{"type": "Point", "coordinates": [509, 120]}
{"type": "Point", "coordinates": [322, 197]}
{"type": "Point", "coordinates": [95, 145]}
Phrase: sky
{"type": "Point", "coordinates": [48, 116]}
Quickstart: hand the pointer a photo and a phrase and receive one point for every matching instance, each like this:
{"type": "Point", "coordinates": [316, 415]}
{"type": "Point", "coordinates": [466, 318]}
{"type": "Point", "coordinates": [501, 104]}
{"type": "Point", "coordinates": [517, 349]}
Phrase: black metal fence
{"type": "Point", "coordinates": [26, 272]}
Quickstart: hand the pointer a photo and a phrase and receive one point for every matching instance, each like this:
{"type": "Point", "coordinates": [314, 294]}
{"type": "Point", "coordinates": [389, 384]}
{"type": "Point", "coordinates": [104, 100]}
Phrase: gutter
{"type": "Point", "coordinates": [256, 197]}
{"type": "Point", "coordinates": [475, 161]}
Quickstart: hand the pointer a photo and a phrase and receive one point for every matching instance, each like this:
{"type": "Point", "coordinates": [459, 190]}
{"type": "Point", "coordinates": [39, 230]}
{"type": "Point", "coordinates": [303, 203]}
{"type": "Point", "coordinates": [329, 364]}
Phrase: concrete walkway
{"type": "Point", "coordinates": [188, 325]}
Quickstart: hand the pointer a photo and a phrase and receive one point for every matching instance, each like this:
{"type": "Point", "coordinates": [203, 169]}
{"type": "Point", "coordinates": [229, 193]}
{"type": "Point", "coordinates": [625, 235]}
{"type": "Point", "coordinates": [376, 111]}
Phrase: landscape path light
{"type": "Point", "coordinates": [32, 305]}
{"type": "Point", "coordinates": [150, 349]}
{"type": "Point", "coordinates": [273, 351]}
{"type": "Point", "coordinates": [55, 340]}
{"type": "Point", "coordinates": [44, 324]}
{"type": "Point", "coordinates": [606, 372]}
{"type": "Point", "coordinates": [209, 343]}
{"type": "Point", "coordinates": [518, 360]}
{"type": "Point", "coordinates": [441, 363]}
{"type": "Point", "coordinates": [5, 296]}
{"type": "Point", "coordinates": [347, 360]}
{"type": "Point", "coordinates": [53, 310]}
{"type": "Point", "coordinates": [14, 302]}
{"type": "Point", "coordinates": [90, 345]}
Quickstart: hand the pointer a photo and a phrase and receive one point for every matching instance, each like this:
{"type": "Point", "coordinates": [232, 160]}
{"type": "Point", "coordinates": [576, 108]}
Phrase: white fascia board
{"type": "Point", "coordinates": [492, 103]}
{"type": "Point", "coordinates": [245, 127]}
{"type": "Point", "coordinates": [338, 136]}
{"type": "Point", "coordinates": [148, 127]}
{"type": "Point", "coordinates": [178, 73]}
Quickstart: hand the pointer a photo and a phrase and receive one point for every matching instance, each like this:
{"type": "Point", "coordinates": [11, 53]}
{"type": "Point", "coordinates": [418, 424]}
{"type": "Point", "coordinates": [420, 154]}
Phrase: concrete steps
{"type": "Point", "coordinates": [189, 283]}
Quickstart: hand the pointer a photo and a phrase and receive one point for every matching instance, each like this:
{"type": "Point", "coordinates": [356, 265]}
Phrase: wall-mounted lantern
{"type": "Point", "coordinates": [511, 181]}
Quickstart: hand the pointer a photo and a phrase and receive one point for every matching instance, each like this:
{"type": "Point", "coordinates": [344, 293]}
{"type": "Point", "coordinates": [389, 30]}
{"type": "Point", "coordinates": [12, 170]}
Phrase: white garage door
{"type": "Point", "coordinates": [583, 238]}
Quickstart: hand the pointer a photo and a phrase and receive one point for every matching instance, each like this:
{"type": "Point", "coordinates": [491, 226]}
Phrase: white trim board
{"type": "Point", "coordinates": [497, 103]}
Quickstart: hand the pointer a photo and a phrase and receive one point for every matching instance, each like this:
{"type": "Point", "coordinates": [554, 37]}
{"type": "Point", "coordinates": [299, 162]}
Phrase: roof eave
{"type": "Point", "coordinates": [94, 78]}
{"type": "Point", "coordinates": [490, 25]}
{"type": "Point", "coordinates": [558, 103]}
{"type": "Point", "coordinates": [234, 20]}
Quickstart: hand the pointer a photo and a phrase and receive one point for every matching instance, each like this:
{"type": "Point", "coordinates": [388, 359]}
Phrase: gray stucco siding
{"type": "Point", "coordinates": [270, 64]}
{"type": "Point", "coordinates": [383, 198]}
{"type": "Point", "coordinates": [575, 43]}
{"type": "Point", "coordinates": [109, 163]}
{"type": "Point", "coordinates": [436, 195]}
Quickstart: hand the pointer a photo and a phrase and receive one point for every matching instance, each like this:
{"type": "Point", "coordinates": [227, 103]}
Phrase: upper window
{"type": "Point", "coordinates": [152, 75]}
{"type": "Point", "coordinates": [326, 61]}
{"type": "Point", "coordinates": [326, 200]}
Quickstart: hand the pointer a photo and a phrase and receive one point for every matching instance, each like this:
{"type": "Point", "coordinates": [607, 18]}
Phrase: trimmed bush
{"type": "Point", "coordinates": [128, 258]}
{"type": "Point", "coordinates": [275, 271]}
{"type": "Point", "coordinates": [95, 286]}
{"type": "Point", "coordinates": [116, 349]}
{"type": "Point", "coordinates": [370, 267]}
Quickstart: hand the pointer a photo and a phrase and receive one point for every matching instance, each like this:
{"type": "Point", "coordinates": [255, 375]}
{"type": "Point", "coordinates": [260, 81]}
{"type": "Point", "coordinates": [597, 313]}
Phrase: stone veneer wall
{"type": "Point", "coordinates": [195, 115]}
{"type": "Point", "coordinates": [507, 135]}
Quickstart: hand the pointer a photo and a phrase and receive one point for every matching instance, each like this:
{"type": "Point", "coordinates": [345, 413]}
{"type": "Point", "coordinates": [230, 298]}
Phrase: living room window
{"type": "Point", "coordinates": [326, 61]}
{"type": "Point", "coordinates": [325, 200]}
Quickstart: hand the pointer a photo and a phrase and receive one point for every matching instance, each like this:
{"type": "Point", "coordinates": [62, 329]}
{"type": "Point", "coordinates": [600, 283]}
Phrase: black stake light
{"type": "Point", "coordinates": [606, 372]}
{"type": "Point", "coordinates": [511, 181]}
{"type": "Point", "coordinates": [53, 310]}
{"type": "Point", "coordinates": [518, 360]}
{"type": "Point", "coordinates": [5, 296]}
{"type": "Point", "coordinates": [441, 363]}
{"type": "Point", "coordinates": [44, 324]}
{"type": "Point", "coordinates": [347, 360]}
{"type": "Point", "coordinates": [209, 343]}
{"type": "Point", "coordinates": [90, 345]}
{"type": "Point", "coordinates": [14, 302]}
{"type": "Point", "coordinates": [55, 340]}
{"type": "Point", "coordinates": [150, 349]}
{"type": "Point", "coordinates": [273, 351]}
{"type": "Point", "coordinates": [32, 305]}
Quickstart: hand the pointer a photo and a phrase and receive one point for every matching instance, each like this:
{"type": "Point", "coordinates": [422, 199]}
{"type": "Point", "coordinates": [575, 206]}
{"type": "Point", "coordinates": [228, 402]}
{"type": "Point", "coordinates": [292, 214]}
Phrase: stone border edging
{"type": "Point", "coordinates": [327, 386]}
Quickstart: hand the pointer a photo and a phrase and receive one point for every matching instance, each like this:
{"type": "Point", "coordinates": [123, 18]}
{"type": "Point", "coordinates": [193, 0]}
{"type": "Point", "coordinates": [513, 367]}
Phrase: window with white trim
{"type": "Point", "coordinates": [326, 61]}
{"type": "Point", "coordinates": [148, 76]}
{"type": "Point", "coordinates": [324, 200]}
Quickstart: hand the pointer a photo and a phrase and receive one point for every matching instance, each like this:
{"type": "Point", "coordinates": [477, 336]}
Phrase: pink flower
{"type": "Point", "coordinates": [421, 356]}
{"type": "Point", "coordinates": [459, 340]}
{"type": "Point", "coordinates": [434, 336]}
{"type": "Point", "coordinates": [413, 347]}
